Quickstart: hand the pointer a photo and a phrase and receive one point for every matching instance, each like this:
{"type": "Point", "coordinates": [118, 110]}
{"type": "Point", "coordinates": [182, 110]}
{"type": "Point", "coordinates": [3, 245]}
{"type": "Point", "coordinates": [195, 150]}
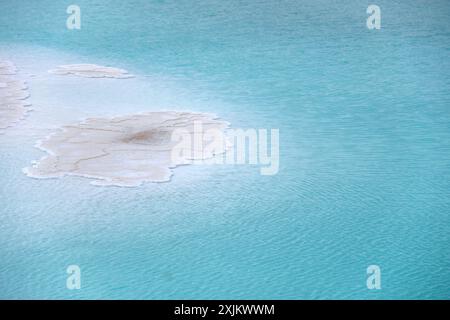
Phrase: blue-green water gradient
{"type": "Point", "coordinates": [364, 120]}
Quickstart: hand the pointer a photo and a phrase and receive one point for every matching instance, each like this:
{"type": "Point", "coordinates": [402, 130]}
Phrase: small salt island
{"type": "Point", "coordinates": [13, 95]}
{"type": "Point", "coordinates": [91, 71]}
{"type": "Point", "coordinates": [121, 151]}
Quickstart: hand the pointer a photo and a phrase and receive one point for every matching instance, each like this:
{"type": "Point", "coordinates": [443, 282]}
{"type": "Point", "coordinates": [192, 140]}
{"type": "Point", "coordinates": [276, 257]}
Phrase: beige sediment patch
{"type": "Point", "coordinates": [13, 93]}
{"type": "Point", "coordinates": [120, 151]}
{"type": "Point", "coordinates": [91, 71]}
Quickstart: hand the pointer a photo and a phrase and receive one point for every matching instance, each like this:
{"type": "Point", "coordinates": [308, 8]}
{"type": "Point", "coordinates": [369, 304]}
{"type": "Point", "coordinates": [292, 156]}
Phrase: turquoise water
{"type": "Point", "coordinates": [364, 119]}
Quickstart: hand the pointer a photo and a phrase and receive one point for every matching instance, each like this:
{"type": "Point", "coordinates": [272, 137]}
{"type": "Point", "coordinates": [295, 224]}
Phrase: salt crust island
{"type": "Point", "coordinates": [121, 151]}
{"type": "Point", "coordinates": [91, 71]}
{"type": "Point", "coordinates": [13, 95]}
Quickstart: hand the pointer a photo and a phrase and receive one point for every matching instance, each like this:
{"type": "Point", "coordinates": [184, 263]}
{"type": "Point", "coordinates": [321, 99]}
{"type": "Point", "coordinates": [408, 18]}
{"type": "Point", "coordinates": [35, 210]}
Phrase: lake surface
{"type": "Point", "coordinates": [364, 120]}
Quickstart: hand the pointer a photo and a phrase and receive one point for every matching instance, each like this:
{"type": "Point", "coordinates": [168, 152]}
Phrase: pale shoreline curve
{"type": "Point", "coordinates": [13, 93]}
{"type": "Point", "coordinates": [91, 71]}
{"type": "Point", "coordinates": [121, 151]}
